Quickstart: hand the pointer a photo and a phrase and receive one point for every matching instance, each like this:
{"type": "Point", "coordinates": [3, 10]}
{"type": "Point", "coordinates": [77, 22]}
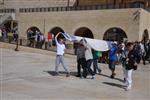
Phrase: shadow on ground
{"type": "Point", "coordinates": [114, 84]}
{"type": "Point", "coordinates": [113, 78]}
{"type": "Point", "coordinates": [53, 73]}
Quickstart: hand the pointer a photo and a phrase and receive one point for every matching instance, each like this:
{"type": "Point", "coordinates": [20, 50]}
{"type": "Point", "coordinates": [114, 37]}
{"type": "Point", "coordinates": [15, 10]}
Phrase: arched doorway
{"type": "Point", "coordinates": [138, 4]}
{"type": "Point", "coordinates": [145, 36]}
{"type": "Point", "coordinates": [54, 31]}
{"type": "Point", "coordinates": [115, 34]}
{"type": "Point", "coordinates": [31, 32]}
{"type": "Point", "coordinates": [82, 32]}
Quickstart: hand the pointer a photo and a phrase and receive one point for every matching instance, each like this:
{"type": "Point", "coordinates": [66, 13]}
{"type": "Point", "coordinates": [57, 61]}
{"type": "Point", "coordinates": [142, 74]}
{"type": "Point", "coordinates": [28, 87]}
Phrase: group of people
{"type": "Point", "coordinates": [36, 39]}
{"type": "Point", "coordinates": [129, 54]}
{"type": "Point", "coordinates": [3, 34]}
{"type": "Point", "coordinates": [11, 36]}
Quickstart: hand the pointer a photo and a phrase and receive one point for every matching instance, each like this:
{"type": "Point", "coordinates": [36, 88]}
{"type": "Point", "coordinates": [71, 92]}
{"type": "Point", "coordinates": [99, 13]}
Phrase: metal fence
{"type": "Point", "coordinates": [7, 10]}
{"type": "Point", "coordinates": [72, 8]}
{"type": "Point", "coordinates": [45, 46]}
{"type": "Point", "coordinates": [76, 8]}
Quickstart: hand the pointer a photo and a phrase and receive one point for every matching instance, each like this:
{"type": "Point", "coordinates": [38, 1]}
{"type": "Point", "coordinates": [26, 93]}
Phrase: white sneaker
{"type": "Point", "coordinates": [93, 77]}
{"type": "Point", "coordinates": [128, 88]}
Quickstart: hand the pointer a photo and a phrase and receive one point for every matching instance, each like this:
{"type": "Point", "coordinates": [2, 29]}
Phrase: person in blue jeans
{"type": "Point", "coordinates": [113, 59]}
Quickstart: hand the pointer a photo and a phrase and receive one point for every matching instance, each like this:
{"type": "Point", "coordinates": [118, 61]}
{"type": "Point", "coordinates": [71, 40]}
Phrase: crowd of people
{"type": "Point", "coordinates": [10, 35]}
{"type": "Point", "coordinates": [129, 54]}
{"type": "Point", "coordinates": [35, 39]}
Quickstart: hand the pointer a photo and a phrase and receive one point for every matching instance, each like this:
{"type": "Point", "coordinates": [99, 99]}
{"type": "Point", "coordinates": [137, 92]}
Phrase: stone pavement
{"type": "Point", "coordinates": [29, 76]}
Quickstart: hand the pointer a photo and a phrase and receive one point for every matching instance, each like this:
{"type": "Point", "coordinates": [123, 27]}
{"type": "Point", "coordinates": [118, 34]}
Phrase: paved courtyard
{"type": "Point", "coordinates": [30, 76]}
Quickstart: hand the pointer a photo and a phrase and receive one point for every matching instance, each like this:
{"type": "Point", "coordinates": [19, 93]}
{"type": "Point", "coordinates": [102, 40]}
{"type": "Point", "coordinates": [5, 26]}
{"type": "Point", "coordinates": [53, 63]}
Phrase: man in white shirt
{"type": "Point", "coordinates": [60, 55]}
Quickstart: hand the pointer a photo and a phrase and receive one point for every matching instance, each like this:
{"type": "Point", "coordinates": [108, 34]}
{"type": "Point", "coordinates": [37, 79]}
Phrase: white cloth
{"type": "Point", "coordinates": [88, 51]}
{"type": "Point", "coordinates": [98, 45]}
{"type": "Point", "coordinates": [60, 48]}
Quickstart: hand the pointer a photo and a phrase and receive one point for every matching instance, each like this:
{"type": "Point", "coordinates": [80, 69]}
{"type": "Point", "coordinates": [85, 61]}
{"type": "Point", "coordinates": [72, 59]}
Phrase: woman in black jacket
{"type": "Point", "coordinates": [131, 64]}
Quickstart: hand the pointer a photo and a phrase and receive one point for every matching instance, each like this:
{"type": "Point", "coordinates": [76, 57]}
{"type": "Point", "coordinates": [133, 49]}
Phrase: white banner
{"type": "Point", "coordinates": [98, 45]}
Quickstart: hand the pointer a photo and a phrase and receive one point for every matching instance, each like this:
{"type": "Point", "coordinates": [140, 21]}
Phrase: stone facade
{"type": "Point", "coordinates": [132, 21]}
{"type": "Point", "coordinates": [58, 3]}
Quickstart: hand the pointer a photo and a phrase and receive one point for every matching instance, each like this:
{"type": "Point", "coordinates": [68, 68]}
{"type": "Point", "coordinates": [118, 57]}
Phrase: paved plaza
{"type": "Point", "coordinates": [30, 76]}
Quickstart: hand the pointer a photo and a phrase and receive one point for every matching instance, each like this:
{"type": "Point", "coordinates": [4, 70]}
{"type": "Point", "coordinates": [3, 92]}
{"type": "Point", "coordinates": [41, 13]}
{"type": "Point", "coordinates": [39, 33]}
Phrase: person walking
{"type": "Point", "coordinates": [131, 64]}
{"type": "Point", "coordinates": [113, 59]}
{"type": "Point", "coordinates": [50, 38]}
{"type": "Point", "coordinates": [89, 59]}
{"type": "Point", "coordinates": [96, 56]}
{"type": "Point", "coordinates": [123, 58]}
{"type": "Point", "coordinates": [16, 38]}
{"type": "Point", "coordinates": [60, 55]}
{"type": "Point", "coordinates": [81, 61]}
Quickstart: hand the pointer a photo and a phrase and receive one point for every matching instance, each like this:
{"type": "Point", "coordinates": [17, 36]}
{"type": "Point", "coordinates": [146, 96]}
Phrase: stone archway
{"type": "Point", "coordinates": [115, 34]}
{"type": "Point", "coordinates": [33, 30]}
{"type": "Point", "coordinates": [145, 36]}
{"type": "Point", "coordinates": [82, 32]}
{"type": "Point", "coordinates": [54, 31]}
{"type": "Point", "coordinates": [138, 4]}
{"type": "Point", "coordinates": [31, 33]}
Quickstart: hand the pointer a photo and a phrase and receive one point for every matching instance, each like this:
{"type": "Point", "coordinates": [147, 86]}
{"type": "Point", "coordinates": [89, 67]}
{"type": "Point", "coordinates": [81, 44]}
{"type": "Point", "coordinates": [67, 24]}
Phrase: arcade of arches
{"type": "Point", "coordinates": [112, 34]}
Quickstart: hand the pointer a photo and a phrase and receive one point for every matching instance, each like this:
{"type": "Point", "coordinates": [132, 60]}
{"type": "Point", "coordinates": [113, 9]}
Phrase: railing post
{"type": "Point", "coordinates": [46, 45]}
{"type": "Point", "coordinates": [20, 41]}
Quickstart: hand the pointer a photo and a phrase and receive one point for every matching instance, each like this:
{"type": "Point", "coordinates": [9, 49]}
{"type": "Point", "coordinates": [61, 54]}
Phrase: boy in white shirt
{"type": "Point", "coordinates": [60, 55]}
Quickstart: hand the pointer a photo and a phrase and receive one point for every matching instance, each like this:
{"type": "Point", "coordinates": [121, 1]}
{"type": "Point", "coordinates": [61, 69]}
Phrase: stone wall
{"type": "Point", "coordinates": [98, 21]}
{"type": "Point", "coordinates": [144, 23]}
{"type": "Point", "coordinates": [35, 3]}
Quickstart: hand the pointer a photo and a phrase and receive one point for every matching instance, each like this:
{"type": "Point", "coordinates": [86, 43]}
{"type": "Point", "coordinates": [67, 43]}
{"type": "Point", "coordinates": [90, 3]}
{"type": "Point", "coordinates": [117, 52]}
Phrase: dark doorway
{"type": "Point", "coordinates": [145, 35]}
{"type": "Point", "coordinates": [82, 32]}
{"type": "Point", "coordinates": [115, 34]}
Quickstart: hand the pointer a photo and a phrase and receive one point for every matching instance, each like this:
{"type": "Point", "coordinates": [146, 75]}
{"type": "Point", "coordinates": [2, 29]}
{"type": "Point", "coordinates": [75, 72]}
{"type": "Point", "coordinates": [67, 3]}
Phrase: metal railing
{"type": "Point", "coordinates": [45, 46]}
{"type": "Point", "coordinates": [7, 10]}
{"type": "Point", "coordinates": [76, 8]}
{"type": "Point", "coordinates": [73, 8]}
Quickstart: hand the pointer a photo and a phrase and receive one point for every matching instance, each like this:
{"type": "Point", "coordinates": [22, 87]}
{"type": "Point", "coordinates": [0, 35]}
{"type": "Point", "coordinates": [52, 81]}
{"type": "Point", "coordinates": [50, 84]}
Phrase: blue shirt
{"type": "Point", "coordinates": [113, 54]}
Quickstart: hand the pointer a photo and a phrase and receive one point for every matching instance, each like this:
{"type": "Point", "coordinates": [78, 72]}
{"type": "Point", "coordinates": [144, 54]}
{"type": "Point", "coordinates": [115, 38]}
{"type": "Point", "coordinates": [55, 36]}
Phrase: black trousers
{"type": "Point", "coordinates": [81, 64]}
{"type": "Point", "coordinates": [88, 67]}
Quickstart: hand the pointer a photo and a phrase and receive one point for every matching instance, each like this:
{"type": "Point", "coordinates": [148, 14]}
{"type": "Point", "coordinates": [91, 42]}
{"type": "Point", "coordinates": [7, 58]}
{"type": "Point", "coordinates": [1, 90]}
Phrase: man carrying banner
{"type": "Point", "coordinates": [113, 59]}
{"type": "Point", "coordinates": [60, 55]}
{"type": "Point", "coordinates": [89, 58]}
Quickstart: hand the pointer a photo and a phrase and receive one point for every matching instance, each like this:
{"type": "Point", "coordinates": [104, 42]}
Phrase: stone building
{"type": "Point", "coordinates": [101, 19]}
